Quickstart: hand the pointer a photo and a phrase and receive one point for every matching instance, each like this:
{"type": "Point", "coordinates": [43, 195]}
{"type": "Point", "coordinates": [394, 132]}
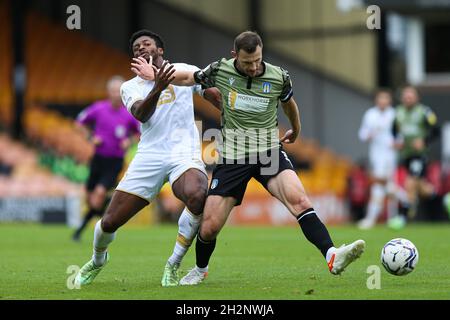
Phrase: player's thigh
{"type": "Point", "coordinates": [123, 207]}
{"type": "Point", "coordinates": [383, 169]}
{"type": "Point", "coordinates": [216, 212]}
{"type": "Point", "coordinates": [287, 187]}
{"type": "Point", "coordinates": [426, 188]}
{"type": "Point", "coordinates": [412, 187]}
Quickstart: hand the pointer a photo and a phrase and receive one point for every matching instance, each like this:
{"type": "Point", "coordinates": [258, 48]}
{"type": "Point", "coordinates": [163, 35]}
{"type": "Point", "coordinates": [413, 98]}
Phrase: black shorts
{"type": "Point", "coordinates": [416, 166]}
{"type": "Point", "coordinates": [104, 171]}
{"type": "Point", "coordinates": [230, 177]}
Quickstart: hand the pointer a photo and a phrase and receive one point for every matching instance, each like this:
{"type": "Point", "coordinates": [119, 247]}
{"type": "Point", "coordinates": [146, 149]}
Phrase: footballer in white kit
{"type": "Point", "coordinates": [169, 150]}
{"type": "Point", "coordinates": [170, 142]}
{"type": "Point", "coordinates": [376, 129]}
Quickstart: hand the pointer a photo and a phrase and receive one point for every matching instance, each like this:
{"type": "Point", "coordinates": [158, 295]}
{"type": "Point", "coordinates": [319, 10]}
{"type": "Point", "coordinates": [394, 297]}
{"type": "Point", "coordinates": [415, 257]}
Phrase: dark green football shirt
{"type": "Point", "coordinates": [249, 106]}
{"type": "Point", "coordinates": [411, 124]}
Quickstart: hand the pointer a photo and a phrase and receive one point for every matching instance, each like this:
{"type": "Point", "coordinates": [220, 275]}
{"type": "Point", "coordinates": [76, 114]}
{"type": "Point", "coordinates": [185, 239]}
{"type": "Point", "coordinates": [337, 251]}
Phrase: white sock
{"type": "Point", "coordinates": [373, 211]}
{"type": "Point", "coordinates": [203, 270]}
{"type": "Point", "coordinates": [376, 202]}
{"type": "Point", "coordinates": [101, 241]}
{"type": "Point", "coordinates": [188, 225]}
{"type": "Point", "coordinates": [392, 208]}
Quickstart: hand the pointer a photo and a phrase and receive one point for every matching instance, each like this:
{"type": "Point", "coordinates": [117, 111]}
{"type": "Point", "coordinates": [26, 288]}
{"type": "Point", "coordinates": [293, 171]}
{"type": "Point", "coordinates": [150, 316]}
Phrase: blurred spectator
{"type": "Point", "coordinates": [110, 127]}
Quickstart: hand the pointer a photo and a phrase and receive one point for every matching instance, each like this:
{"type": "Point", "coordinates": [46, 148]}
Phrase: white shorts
{"type": "Point", "coordinates": [147, 174]}
{"type": "Point", "coordinates": [383, 166]}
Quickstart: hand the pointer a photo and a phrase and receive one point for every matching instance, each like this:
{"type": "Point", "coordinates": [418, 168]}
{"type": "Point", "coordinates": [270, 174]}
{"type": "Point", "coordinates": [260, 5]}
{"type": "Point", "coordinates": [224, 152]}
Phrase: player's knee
{"type": "Point", "coordinates": [108, 224]}
{"type": "Point", "coordinates": [300, 202]}
{"type": "Point", "coordinates": [196, 201]}
{"type": "Point", "coordinates": [97, 199]}
{"type": "Point", "coordinates": [377, 192]}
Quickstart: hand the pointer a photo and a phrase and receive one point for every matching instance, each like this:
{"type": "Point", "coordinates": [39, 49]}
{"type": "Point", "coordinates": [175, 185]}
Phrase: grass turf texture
{"type": "Point", "coordinates": [249, 263]}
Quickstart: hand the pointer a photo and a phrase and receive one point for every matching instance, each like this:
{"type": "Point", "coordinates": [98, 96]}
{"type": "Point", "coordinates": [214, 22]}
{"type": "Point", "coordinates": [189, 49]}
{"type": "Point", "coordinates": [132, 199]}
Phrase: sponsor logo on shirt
{"type": "Point", "coordinates": [244, 102]}
{"type": "Point", "coordinates": [167, 96]}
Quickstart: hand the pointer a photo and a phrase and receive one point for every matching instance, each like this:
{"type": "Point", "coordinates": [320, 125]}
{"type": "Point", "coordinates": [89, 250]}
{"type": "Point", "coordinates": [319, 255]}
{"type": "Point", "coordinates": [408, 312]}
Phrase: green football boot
{"type": "Point", "coordinates": [88, 272]}
{"type": "Point", "coordinates": [170, 276]}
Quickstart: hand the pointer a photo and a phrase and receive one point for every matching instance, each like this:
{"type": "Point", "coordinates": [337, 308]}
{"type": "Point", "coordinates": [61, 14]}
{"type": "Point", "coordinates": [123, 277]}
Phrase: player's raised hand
{"type": "Point", "coordinates": [143, 69]}
{"type": "Point", "coordinates": [164, 76]}
{"type": "Point", "coordinates": [289, 137]}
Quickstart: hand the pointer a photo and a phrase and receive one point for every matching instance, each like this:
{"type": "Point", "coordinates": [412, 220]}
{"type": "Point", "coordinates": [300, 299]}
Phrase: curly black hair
{"type": "Point", "coordinates": [144, 32]}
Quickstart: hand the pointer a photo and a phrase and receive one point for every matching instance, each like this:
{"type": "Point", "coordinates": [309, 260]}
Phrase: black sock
{"type": "Point", "coordinates": [203, 251]}
{"type": "Point", "coordinates": [314, 230]}
{"type": "Point", "coordinates": [91, 214]}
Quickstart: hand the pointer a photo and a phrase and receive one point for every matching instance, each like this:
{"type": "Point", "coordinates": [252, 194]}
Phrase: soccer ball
{"type": "Point", "coordinates": [399, 256]}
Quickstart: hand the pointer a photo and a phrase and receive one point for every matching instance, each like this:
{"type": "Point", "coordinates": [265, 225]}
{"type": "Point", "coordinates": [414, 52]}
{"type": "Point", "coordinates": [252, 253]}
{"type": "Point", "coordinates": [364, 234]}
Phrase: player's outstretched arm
{"type": "Point", "coordinates": [147, 71]}
{"type": "Point", "coordinates": [290, 108]}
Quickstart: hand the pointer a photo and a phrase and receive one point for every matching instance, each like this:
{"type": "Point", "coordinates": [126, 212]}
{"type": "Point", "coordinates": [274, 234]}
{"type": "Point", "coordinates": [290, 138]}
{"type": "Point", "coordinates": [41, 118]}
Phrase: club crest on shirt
{"type": "Point", "coordinates": [214, 183]}
{"type": "Point", "coordinates": [266, 87]}
{"type": "Point", "coordinates": [231, 81]}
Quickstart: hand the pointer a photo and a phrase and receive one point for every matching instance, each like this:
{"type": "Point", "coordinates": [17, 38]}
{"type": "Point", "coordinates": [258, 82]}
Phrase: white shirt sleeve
{"type": "Point", "coordinates": [130, 93]}
{"type": "Point", "coordinates": [188, 67]}
{"type": "Point", "coordinates": [365, 129]}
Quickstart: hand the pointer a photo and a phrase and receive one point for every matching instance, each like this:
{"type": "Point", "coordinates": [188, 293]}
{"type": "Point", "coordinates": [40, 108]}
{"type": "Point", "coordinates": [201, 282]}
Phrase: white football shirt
{"type": "Point", "coordinates": [171, 129]}
{"type": "Point", "coordinates": [376, 127]}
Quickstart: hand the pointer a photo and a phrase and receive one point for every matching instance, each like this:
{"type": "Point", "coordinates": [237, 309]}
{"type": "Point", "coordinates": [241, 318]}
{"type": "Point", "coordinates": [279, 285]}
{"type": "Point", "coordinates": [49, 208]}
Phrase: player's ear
{"type": "Point", "coordinates": [233, 54]}
{"type": "Point", "coordinates": [161, 51]}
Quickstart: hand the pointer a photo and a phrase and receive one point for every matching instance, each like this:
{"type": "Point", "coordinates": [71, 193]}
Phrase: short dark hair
{"type": "Point", "coordinates": [144, 32]}
{"type": "Point", "coordinates": [247, 41]}
{"type": "Point", "coordinates": [382, 91]}
{"type": "Point", "coordinates": [410, 87]}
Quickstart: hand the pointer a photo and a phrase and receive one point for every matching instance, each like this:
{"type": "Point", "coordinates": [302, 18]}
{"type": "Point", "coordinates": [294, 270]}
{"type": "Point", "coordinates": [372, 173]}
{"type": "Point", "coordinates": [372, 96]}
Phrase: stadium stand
{"type": "Point", "coordinates": [26, 178]}
{"type": "Point", "coordinates": [78, 71]}
{"type": "Point", "coordinates": [6, 97]}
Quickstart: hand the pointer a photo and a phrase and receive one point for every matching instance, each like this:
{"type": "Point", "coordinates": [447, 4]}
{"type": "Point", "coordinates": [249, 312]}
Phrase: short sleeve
{"type": "Point", "coordinates": [286, 92]}
{"type": "Point", "coordinates": [207, 76]}
{"type": "Point", "coordinates": [130, 93]}
{"type": "Point", "coordinates": [430, 116]}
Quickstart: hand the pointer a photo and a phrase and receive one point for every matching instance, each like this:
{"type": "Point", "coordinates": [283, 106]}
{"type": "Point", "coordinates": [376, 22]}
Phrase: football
{"type": "Point", "coordinates": [399, 256]}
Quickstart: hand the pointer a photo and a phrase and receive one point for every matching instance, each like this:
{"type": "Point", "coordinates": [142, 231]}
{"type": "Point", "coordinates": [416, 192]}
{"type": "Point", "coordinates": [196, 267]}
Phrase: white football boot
{"type": "Point", "coordinates": [344, 255]}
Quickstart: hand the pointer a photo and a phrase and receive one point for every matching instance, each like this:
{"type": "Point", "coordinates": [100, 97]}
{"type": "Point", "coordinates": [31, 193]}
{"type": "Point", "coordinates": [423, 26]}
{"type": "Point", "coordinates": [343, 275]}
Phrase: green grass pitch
{"type": "Point", "coordinates": [249, 263]}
